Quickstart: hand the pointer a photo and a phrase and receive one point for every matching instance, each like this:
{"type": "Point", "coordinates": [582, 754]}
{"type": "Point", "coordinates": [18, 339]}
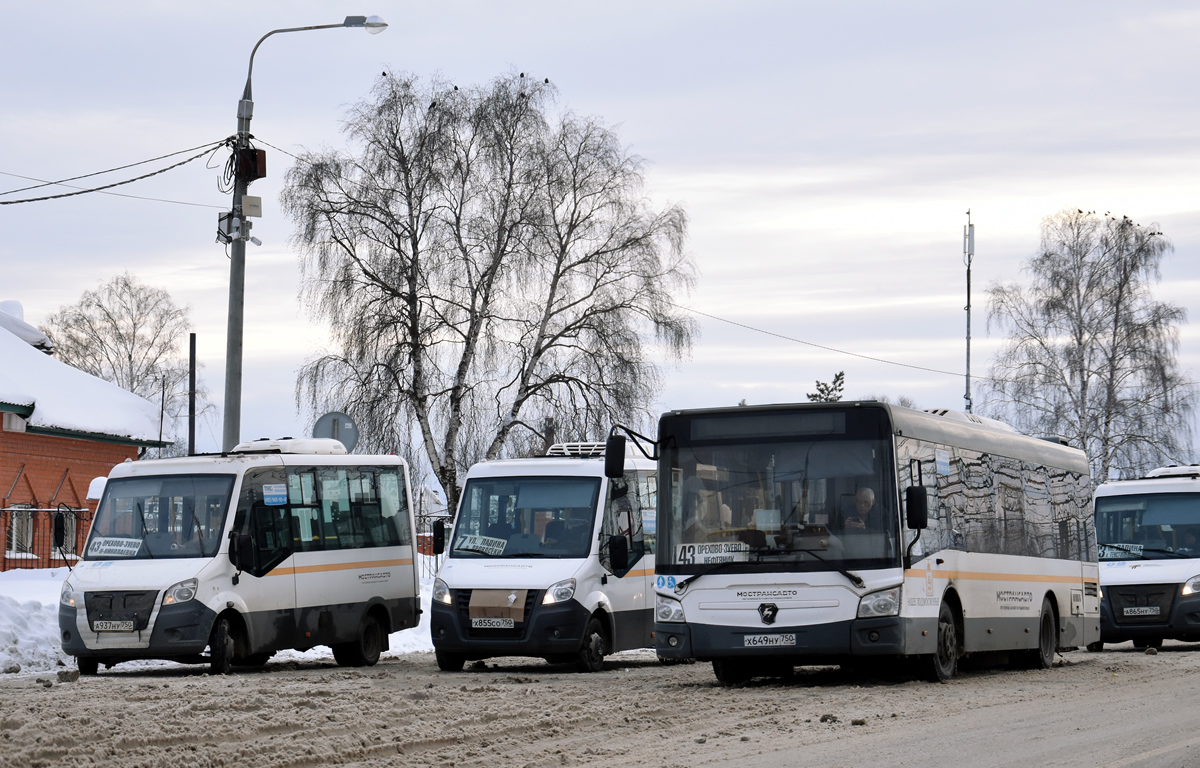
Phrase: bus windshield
{"type": "Point", "coordinates": [541, 516]}
{"type": "Point", "coordinates": [1148, 526]}
{"type": "Point", "coordinates": [159, 517]}
{"type": "Point", "coordinates": [778, 491]}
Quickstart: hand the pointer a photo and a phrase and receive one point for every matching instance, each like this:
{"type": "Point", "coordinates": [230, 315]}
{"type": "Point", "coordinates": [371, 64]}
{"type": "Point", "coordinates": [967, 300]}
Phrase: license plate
{"type": "Point", "coordinates": [492, 624]}
{"type": "Point", "coordinates": [1145, 610]}
{"type": "Point", "coordinates": [765, 641]}
{"type": "Point", "coordinates": [113, 626]}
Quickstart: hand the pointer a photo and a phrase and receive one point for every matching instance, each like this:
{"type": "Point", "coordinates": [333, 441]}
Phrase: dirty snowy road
{"type": "Point", "coordinates": [1119, 708]}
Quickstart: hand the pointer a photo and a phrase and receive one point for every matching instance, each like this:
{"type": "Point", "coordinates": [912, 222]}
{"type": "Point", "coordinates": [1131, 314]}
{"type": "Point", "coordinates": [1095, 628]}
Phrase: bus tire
{"type": "Point", "coordinates": [450, 662]}
{"type": "Point", "coordinates": [943, 662]}
{"type": "Point", "coordinates": [87, 665]}
{"type": "Point", "coordinates": [1095, 647]}
{"type": "Point", "coordinates": [220, 648]}
{"type": "Point", "coordinates": [590, 657]}
{"type": "Point", "coordinates": [363, 651]}
{"type": "Point", "coordinates": [1043, 656]}
{"type": "Point", "coordinates": [254, 659]}
{"type": "Point", "coordinates": [731, 671]}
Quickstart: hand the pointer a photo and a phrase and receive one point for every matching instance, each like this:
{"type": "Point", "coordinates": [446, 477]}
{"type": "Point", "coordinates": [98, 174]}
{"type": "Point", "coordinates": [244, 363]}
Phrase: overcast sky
{"type": "Point", "coordinates": [826, 153]}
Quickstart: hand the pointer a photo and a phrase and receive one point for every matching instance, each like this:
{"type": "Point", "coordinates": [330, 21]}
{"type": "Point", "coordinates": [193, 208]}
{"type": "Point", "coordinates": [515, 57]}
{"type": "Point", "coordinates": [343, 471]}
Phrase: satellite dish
{"type": "Point", "coordinates": [338, 426]}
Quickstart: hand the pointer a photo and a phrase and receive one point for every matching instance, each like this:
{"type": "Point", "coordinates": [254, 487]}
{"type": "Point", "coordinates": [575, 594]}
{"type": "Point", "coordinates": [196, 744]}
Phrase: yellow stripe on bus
{"type": "Point", "coordinates": [338, 567]}
{"type": "Point", "coordinates": [984, 576]}
{"type": "Point", "coordinates": [646, 572]}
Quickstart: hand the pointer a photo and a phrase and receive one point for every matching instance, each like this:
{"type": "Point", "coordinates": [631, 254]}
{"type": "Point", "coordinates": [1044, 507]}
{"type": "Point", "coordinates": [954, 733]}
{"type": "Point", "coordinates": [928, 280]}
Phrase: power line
{"type": "Point", "coordinates": [818, 346]}
{"type": "Point", "coordinates": [211, 144]}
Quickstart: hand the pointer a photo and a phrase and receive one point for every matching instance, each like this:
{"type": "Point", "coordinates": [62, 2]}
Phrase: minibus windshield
{"type": "Point", "coordinates": [159, 517]}
{"type": "Point", "coordinates": [1148, 526]}
{"type": "Point", "coordinates": [526, 517]}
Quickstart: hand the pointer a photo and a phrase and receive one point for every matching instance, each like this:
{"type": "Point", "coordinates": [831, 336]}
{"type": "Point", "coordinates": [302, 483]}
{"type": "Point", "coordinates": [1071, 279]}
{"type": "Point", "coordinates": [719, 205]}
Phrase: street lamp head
{"type": "Point", "coordinates": [373, 24]}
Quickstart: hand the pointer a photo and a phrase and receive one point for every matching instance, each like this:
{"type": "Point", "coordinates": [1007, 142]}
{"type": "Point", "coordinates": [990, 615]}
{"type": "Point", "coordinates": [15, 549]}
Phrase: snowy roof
{"type": "Point", "coordinates": [67, 400]}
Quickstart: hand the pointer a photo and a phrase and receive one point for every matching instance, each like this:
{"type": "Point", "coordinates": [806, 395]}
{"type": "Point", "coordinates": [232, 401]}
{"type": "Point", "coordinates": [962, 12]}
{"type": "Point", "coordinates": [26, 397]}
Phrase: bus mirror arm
{"type": "Point", "coordinates": [614, 450]}
{"type": "Point", "coordinates": [908, 551]}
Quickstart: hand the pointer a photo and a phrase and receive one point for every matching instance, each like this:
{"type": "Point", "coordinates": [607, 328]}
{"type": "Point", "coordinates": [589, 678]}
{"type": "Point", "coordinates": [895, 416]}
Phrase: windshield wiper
{"type": "Point", "coordinates": [680, 586]}
{"type": "Point", "coordinates": [854, 578]}
{"type": "Point", "coordinates": [1141, 552]}
{"type": "Point", "coordinates": [472, 549]}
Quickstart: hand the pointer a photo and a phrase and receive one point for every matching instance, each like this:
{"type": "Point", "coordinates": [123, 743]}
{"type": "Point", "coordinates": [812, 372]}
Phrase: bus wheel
{"type": "Point", "coordinates": [1095, 647]}
{"type": "Point", "coordinates": [731, 671]}
{"type": "Point", "coordinates": [254, 659]}
{"type": "Point", "coordinates": [363, 652]}
{"type": "Point", "coordinates": [450, 662]}
{"type": "Point", "coordinates": [1155, 643]}
{"type": "Point", "coordinates": [220, 648]}
{"type": "Point", "coordinates": [87, 665]}
{"type": "Point", "coordinates": [591, 654]}
{"type": "Point", "coordinates": [943, 663]}
{"type": "Point", "coordinates": [1043, 657]}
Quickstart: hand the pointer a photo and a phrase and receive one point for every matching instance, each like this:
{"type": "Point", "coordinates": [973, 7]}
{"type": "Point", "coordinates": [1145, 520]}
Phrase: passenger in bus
{"type": "Point", "coordinates": [864, 515]}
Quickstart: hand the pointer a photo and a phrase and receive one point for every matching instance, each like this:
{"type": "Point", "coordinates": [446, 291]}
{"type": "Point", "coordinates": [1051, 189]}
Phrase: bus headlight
{"type": "Point", "coordinates": [883, 603]}
{"type": "Point", "coordinates": [668, 610]}
{"type": "Point", "coordinates": [1191, 586]}
{"type": "Point", "coordinates": [181, 592]}
{"type": "Point", "coordinates": [441, 593]}
{"type": "Point", "coordinates": [559, 592]}
{"type": "Point", "coordinates": [69, 597]}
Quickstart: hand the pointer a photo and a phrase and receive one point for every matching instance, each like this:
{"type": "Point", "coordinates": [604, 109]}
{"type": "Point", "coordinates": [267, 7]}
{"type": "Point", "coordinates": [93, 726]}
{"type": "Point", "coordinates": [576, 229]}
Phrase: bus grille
{"type": "Point", "coordinates": [1141, 596]}
{"type": "Point", "coordinates": [462, 598]}
{"type": "Point", "coordinates": [120, 606]}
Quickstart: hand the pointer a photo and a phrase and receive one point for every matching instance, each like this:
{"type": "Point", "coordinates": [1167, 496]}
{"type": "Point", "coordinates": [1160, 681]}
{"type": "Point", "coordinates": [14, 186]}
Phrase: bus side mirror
{"type": "Point", "coordinates": [916, 507]}
{"type": "Point", "coordinates": [614, 456]}
{"type": "Point", "coordinates": [60, 530]}
{"type": "Point", "coordinates": [241, 551]}
{"type": "Point", "coordinates": [618, 553]}
{"type": "Point", "coordinates": [439, 537]}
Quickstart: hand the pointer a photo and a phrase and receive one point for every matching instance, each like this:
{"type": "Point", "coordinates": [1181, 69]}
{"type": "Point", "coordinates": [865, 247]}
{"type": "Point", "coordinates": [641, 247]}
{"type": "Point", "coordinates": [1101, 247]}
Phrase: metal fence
{"type": "Point", "coordinates": [29, 536]}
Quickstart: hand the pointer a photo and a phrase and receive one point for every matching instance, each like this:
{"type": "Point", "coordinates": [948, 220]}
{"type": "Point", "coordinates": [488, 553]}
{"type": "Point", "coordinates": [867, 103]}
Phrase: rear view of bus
{"type": "Point", "coordinates": [1149, 532]}
{"type": "Point", "coordinates": [825, 533]}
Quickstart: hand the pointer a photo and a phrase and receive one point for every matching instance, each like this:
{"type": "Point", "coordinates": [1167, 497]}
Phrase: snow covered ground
{"type": "Point", "coordinates": [29, 625]}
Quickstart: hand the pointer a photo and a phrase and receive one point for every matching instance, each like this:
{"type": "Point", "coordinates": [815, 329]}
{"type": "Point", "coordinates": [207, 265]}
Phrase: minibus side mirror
{"type": "Point", "coordinates": [618, 553]}
{"type": "Point", "coordinates": [916, 506]}
{"type": "Point", "coordinates": [241, 551]}
{"type": "Point", "coordinates": [60, 530]}
{"type": "Point", "coordinates": [614, 456]}
{"type": "Point", "coordinates": [439, 537]}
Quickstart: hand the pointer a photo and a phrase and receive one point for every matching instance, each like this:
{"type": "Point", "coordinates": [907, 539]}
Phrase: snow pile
{"type": "Point", "coordinates": [66, 398]}
{"type": "Point", "coordinates": [29, 626]}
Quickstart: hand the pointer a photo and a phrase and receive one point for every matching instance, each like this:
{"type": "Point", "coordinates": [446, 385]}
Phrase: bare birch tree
{"type": "Point", "coordinates": [489, 271]}
{"type": "Point", "coordinates": [1090, 355]}
{"type": "Point", "coordinates": [133, 335]}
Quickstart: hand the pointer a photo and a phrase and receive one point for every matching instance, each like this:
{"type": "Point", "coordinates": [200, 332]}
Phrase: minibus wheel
{"type": "Point", "coordinates": [87, 665]}
{"type": "Point", "coordinates": [731, 671]}
{"type": "Point", "coordinates": [591, 655]}
{"type": "Point", "coordinates": [943, 663]}
{"type": "Point", "coordinates": [220, 648]}
{"type": "Point", "coordinates": [450, 662]}
{"type": "Point", "coordinates": [1095, 647]}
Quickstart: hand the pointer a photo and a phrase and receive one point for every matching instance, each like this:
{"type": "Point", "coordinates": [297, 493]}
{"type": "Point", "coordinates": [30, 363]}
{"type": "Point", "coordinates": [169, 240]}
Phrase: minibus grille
{"type": "Point", "coordinates": [1141, 600]}
{"type": "Point", "coordinates": [462, 598]}
{"type": "Point", "coordinates": [120, 606]}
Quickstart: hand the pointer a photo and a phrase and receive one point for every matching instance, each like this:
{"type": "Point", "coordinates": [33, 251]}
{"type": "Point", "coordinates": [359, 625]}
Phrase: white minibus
{"type": "Point", "coordinates": [839, 532]}
{"type": "Point", "coordinates": [1150, 558]}
{"type": "Point", "coordinates": [547, 559]}
{"type": "Point", "coordinates": [225, 559]}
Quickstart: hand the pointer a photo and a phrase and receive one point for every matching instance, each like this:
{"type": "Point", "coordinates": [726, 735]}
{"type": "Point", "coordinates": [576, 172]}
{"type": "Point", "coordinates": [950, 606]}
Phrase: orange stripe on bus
{"type": "Point", "coordinates": [338, 567]}
{"type": "Point", "coordinates": [646, 572]}
{"type": "Point", "coordinates": [983, 576]}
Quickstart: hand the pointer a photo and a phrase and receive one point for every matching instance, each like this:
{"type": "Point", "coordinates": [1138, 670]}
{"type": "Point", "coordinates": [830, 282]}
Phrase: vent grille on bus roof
{"type": "Point", "coordinates": [576, 449]}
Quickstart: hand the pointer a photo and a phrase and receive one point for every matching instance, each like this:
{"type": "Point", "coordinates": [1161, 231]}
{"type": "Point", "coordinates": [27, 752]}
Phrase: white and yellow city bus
{"type": "Point", "coordinates": [225, 559]}
{"type": "Point", "coordinates": [830, 532]}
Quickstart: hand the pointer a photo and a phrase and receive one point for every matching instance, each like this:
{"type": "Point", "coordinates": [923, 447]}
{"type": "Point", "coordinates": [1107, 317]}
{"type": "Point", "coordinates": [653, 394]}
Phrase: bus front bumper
{"type": "Point", "coordinates": [177, 632]}
{"type": "Point", "coordinates": [1182, 623]}
{"type": "Point", "coordinates": [552, 630]}
{"type": "Point", "coordinates": [857, 637]}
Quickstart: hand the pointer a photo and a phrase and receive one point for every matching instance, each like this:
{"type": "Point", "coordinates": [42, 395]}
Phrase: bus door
{"type": "Point", "coordinates": [629, 589]}
{"type": "Point", "coordinates": [269, 590]}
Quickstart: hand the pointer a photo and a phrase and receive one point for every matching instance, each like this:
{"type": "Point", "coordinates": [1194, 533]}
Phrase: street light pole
{"type": "Point", "coordinates": [239, 232]}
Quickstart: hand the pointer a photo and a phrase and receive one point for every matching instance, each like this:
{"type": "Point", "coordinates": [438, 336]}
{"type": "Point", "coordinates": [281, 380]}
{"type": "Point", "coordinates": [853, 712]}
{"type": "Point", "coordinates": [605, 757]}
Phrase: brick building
{"type": "Point", "coordinates": [59, 429]}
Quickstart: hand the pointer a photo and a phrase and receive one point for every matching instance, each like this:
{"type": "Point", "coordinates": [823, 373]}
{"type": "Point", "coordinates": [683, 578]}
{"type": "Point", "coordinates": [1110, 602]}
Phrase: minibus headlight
{"type": "Point", "coordinates": [1191, 586]}
{"type": "Point", "coordinates": [883, 603]}
{"type": "Point", "coordinates": [559, 592]}
{"type": "Point", "coordinates": [441, 593]}
{"type": "Point", "coordinates": [181, 592]}
{"type": "Point", "coordinates": [668, 610]}
{"type": "Point", "coordinates": [69, 597]}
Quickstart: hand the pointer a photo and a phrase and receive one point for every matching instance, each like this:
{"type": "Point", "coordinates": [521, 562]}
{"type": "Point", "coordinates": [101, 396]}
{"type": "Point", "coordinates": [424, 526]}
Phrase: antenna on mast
{"type": "Point", "coordinates": [968, 257]}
